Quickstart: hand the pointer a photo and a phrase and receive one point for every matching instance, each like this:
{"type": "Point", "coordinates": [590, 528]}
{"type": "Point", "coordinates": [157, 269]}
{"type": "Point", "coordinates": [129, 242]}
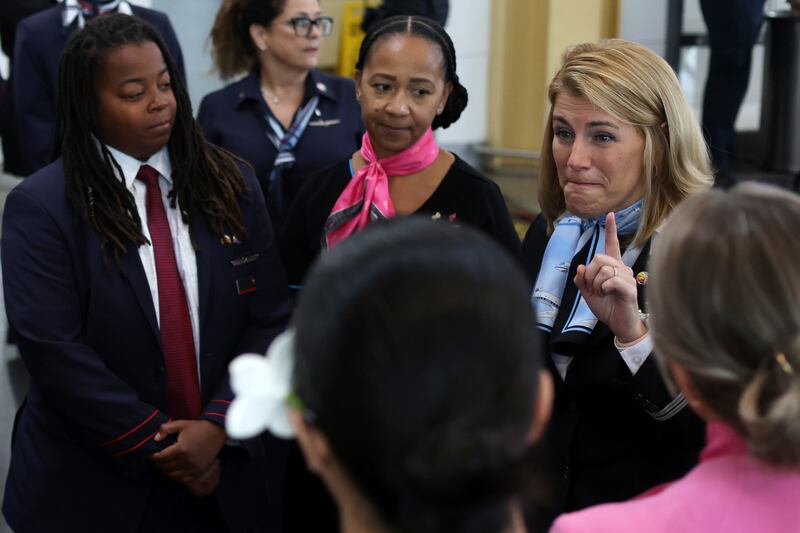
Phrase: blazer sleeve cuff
{"type": "Point", "coordinates": [216, 411]}
{"type": "Point", "coordinates": [138, 438]}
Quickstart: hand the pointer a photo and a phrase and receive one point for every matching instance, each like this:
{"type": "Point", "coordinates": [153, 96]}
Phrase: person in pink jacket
{"type": "Point", "coordinates": [725, 317]}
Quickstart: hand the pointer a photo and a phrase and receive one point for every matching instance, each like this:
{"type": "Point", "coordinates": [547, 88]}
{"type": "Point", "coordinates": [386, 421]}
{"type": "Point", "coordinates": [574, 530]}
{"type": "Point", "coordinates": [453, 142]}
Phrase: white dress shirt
{"type": "Point", "coordinates": [181, 240]}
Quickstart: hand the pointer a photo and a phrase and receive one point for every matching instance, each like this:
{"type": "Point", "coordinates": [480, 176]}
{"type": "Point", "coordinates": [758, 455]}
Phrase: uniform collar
{"type": "Point", "coordinates": [317, 83]}
{"type": "Point", "coordinates": [71, 10]}
{"type": "Point", "coordinates": [321, 84]}
{"type": "Point", "coordinates": [130, 165]}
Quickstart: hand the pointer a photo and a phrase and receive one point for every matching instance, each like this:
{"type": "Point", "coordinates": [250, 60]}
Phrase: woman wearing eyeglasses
{"type": "Point", "coordinates": [286, 118]}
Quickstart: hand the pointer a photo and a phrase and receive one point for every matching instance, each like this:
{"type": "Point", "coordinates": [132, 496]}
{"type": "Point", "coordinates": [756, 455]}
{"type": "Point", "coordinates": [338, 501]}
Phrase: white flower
{"type": "Point", "coordinates": [262, 386]}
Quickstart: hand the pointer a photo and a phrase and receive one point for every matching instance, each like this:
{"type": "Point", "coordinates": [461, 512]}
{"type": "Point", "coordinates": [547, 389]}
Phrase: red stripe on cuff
{"type": "Point", "coordinates": [214, 414]}
{"type": "Point", "coordinates": [129, 450]}
{"type": "Point", "coordinates": [148, 419]}
{"type": "Point", "coordinates": [220, 401]}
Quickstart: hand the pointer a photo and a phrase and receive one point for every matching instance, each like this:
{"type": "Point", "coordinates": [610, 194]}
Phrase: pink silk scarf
{"type": "Point", "coordinates": [366, 197]}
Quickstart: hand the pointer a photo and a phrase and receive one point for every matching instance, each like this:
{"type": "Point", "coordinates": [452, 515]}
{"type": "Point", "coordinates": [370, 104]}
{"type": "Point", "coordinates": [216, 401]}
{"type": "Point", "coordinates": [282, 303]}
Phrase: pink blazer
{"type": "Point", "coordinates": [728, 491]}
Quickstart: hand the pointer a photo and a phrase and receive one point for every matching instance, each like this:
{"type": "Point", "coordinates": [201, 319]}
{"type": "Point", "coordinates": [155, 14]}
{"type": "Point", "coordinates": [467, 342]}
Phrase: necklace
{"type": "Point", "coordinates": [269, 96]}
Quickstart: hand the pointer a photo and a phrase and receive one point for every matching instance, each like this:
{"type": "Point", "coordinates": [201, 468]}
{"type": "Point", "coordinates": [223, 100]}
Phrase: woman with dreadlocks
{"type": "Point", "coordinates": [135, 267]}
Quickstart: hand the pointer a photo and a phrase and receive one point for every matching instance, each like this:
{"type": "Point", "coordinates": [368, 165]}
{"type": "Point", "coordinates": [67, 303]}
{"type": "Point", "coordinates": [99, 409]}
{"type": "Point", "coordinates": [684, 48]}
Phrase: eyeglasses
{"type": "Point", "coordinates": [302, 25]}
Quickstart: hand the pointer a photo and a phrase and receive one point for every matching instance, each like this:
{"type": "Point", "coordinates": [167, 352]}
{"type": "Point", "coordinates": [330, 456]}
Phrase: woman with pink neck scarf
{"type": "Point", "coordinates": [407, 84]}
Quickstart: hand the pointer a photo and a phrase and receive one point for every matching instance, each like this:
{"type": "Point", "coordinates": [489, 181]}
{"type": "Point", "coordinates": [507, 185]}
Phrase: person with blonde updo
{"type": "Point", "coordinates": [725, 322]}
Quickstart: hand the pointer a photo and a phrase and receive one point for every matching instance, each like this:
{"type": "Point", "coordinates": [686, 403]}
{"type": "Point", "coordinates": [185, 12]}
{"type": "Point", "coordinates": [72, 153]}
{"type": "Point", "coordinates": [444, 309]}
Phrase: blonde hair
{"type": "Point", "coordinates": [724, 306]}
{"type": "Point", "coordinates": [631, 83]}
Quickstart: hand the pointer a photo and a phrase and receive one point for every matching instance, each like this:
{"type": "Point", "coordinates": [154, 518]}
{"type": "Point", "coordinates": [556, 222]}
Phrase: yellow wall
{"type": "Point", "coordinates": [528, 39]}
{"type": "Point", "coordinates": [329, 53]}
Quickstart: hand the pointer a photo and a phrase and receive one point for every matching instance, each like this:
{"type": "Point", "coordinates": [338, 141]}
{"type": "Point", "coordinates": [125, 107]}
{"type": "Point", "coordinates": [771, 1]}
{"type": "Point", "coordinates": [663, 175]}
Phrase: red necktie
{"type": "Point", "coordinates": [183, 390]}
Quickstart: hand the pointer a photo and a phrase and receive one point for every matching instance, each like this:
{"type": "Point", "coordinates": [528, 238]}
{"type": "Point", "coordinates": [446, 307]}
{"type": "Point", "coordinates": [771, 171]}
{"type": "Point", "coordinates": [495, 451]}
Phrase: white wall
{"type": "Point", "coordinates": [468, 25]}
{"type": "Point", "coordinates": [645, 22]}
{"type": "Point", "coordinates": [192, 20]}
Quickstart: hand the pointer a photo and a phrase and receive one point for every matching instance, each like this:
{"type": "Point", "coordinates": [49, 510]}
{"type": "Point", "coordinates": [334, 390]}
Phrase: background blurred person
{"type": "Point", "coordinates": [408, 86]}
{"type": "Point", "coordinates": [621, 149]}
{"type": "Point", "coordinates": [39, 41]}
{"type": "Point", "coordinates": [725, 323]}
{"type": "Point", "coordinates": [733, 27]}
{"type": "Point", "coordinates": [417, 383]}
{"type": "Point", "coordinates": [285, 117]}
{"type": "Point", "coordinates": [11, 13]}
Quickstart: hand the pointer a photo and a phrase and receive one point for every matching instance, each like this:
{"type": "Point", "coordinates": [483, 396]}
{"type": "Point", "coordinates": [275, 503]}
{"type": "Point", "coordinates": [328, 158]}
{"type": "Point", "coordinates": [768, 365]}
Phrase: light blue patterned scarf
{"type": "Point", "coordinates": [570, 236]}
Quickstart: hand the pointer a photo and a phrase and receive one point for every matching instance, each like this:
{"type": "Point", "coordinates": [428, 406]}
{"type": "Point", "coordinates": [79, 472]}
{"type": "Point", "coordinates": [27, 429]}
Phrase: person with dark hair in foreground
{"type": "Point", "coordinates": [417, 388]}
{"type": "Point", "coordinates": [407, 83]}
{"type": "Point", "coordinates": [725, 317]}
{"type": "Point", "coordinates": [135, 266]}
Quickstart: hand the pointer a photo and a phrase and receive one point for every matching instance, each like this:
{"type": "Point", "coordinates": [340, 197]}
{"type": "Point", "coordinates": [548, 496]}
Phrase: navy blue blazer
{"type": "Point", "coordinates": [39, 42]}
{"type": "Point", "coordinates": [88, 334]}
{"type": "Point", "coordinates": [234, 118]}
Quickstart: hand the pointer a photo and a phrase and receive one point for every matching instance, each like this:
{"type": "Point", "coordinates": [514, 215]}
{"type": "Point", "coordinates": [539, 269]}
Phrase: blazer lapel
{"type": "Point", "coordinates": [205, 244]}
{"type": "Point", "coordinates": [133, 270]}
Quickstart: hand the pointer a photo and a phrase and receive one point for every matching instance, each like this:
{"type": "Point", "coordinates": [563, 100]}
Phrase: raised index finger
{"type": "Point", "coordinates": [612, 242]}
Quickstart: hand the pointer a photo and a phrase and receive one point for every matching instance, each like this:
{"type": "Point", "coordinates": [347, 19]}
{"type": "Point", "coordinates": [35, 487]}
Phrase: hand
{"type": "Point", "coordinates": [609, 288]}
{"type": "Point", "coordinates": [207, 482]}
{"type": "Point", "coordinates": [198, 444]}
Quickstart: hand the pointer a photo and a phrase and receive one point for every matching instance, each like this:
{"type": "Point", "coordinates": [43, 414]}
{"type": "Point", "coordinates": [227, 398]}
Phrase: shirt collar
{"type": "Point", "coordinates": [317, 83]}
{"type": "Point", "coordinates": [130, 165]}
{"type": "Point", "coordinates": [72, 11]}
{"type": "Point", "coordinates": [320, 83]}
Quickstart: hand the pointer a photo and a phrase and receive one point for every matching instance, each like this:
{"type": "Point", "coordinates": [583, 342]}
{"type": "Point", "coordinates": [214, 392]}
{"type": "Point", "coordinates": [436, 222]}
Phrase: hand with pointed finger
{"type": "Point", "coordinates": [197, 446]}
{"type": "Point", "coordinates": [609, 288]}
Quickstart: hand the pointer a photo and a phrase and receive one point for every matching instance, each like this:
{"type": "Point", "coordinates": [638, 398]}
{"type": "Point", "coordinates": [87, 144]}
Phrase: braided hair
{"type": "Point", "coordinates": [433, 32]}
{"type": "Point", "coordinates": [206, 178]}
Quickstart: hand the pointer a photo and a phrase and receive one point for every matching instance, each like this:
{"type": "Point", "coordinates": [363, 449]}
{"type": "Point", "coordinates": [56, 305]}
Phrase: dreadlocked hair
{"type": "Point", "coordinates": [431, 30]}
{"type": "Point", "coordinates": [206, 179]}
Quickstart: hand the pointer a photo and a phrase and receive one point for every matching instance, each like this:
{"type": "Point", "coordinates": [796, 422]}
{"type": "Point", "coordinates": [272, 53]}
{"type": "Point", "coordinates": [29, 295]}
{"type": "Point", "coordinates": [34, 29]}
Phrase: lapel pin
{"type": "Point", "coordinates": [642, 277]}
{"type": "Point", "coordinates": [322, 87]}
{"type": "Point", "coordinates": [229, 239]}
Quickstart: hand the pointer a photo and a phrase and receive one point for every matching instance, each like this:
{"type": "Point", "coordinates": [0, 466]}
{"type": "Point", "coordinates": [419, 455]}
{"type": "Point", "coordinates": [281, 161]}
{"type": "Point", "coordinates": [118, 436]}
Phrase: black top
{"type": "Point", "coordinates": [465, 196]}
{"type": "Point", "coordinates": [612, 435]}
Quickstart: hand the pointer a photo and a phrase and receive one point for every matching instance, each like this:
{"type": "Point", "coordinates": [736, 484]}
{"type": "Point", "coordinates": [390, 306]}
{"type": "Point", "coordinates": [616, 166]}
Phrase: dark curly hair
{"type": "Point", "coordinates": [432, 31]}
